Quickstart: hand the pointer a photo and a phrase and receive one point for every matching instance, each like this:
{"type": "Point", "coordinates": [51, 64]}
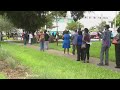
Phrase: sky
{"type": "Point", "coordinates": [93, 22]}
{"type": "Point", "coordinates": [88, 23]}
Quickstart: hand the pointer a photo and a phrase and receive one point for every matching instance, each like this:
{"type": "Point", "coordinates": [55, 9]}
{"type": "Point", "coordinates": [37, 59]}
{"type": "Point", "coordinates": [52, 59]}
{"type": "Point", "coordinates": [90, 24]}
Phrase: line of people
{"type": "Point", "coordinates": [41, 37]}
{"type": "Point", "coordinates": [27, 38]}
{"type": "Point", "coordinates": [81, 41]}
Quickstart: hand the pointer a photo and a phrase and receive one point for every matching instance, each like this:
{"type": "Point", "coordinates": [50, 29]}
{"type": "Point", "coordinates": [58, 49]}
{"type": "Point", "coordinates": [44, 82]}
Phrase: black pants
{"type": "Point", "coordinates": [79, 53]}
{"type": "Point", "coordinates": [73, 47]}
{"type": "Point", "coordinates": [117, 54]}
{"type": "Point", "coordinates": [86, 52]}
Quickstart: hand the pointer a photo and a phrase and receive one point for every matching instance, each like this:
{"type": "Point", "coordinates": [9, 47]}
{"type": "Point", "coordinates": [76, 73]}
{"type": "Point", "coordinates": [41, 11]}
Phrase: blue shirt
{"type": "Point", "coordinates": [79, 39]}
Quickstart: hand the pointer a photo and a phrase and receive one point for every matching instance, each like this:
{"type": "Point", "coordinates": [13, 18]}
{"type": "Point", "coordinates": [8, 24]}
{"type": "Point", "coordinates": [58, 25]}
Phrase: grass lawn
{"type": "Point", "coordinates": [94, 49]}
{"type": "Point", "coordinates": [47, 66]}
{"type": "Point", "coordinates": [2, 76]}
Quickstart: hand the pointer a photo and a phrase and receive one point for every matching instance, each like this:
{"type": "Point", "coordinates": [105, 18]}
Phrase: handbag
{"type": "Point", "coordinates": [83, 46]}
{"type": "Point", "coordinates": [114, 41]}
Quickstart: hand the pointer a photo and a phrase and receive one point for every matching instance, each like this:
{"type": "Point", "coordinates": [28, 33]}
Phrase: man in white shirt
{"type": "Point", "coordinates": [30, 38]}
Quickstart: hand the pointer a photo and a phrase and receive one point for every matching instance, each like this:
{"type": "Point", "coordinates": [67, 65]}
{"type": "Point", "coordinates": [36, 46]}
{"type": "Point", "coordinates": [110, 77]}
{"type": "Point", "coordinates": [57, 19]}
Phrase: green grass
{"type": "Point", "coordinates": [55, 67]}
{"type": "Point", "coordinates": [2, 76]}
{"type": "Point", "coordinates": [94, 49]}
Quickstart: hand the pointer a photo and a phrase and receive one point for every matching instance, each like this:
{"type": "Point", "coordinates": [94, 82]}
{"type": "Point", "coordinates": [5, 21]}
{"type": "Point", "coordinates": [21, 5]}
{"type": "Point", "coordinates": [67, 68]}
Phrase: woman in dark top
{"type": "Point", "coordinates": [86, 40]}
{"type": "Point", "coordinates": [46, 36]}
{"type": "Point", "coordinates": [117, 49]}
{"type": "Point", "coordinates": [79, 43]}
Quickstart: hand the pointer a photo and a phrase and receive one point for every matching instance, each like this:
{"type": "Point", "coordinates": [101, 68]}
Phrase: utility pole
{"type": "Point", "coordinates": [115, 20]}
{"type": "Point", "coordinates": [57, 21]}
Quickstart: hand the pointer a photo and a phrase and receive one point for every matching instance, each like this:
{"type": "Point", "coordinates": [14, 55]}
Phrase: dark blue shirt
{"type": "Point", "coordinates": [79, 39]}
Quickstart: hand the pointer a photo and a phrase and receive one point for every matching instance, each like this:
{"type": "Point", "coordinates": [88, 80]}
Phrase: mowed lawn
{"type": "Point", "coordinates": [95, 49]}
{"type": "Point", "coordinates": [47, 66]}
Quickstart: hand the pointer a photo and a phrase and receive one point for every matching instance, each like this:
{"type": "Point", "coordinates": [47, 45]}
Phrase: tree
{"type": "Point", "coordinates": [100, 27]}
{"type": "Point", "coordinates": [34, 20]}
{"type": "Point", "coordinates": [93, 29]}
{"type": "Point", "coordinates": [49, 21]}
{"type": "Point", "coordinates": [28, 20]}
{"type": "Point", "coordinates": [5, 25]}
{"type": "Point", "coordinates": [77, 15]}
{"type": "Point", "coordinates": [117, 20]}
{"type": "Point", "coordinates": [73, 25]}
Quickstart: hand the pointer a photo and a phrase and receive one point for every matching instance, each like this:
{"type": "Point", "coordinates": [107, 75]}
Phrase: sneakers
{"type": "Point", "coordinates": [100, 64]}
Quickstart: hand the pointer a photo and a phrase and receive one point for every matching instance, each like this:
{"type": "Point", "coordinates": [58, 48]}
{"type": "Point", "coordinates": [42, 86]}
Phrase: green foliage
{"type": "Point", "coordinates": [74, 25]}
{"type": "Point", "coordinates": [93, 29]}
{"type": "Point", "coordinates": [58, 14]}
{"type": "Point", "coordinates": [49, 22]}
{"type": "Point", "coordinates": [2, 76]}
{"type": "Point", "coordinates": [10, 62]}
{"type": "Point", "coordinates": [34, 20]}
{"type": "Point", "coordinates": [100, 27]}
{"type": "Point", "coordinates": [28, 20]}
{"type": "Point", "coordinates": [117, 20]}
{"type": "Point", "coordinates": [77, 15]}
{"type": "Point", "coordinates": [5, 56]}
{"type": "Point", "coordinates": [5, 24]}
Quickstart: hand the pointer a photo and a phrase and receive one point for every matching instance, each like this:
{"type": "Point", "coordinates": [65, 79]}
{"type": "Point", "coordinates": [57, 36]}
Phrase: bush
{"type": "Point", "coordinates": [5, 56]}
{"type": "Point", "coordinates": [10, 62]}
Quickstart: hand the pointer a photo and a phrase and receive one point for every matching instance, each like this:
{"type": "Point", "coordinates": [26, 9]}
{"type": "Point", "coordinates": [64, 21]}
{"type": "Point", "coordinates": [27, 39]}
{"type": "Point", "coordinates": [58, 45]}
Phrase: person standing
{"type": "Point", "coordinates": [74, 42]}
{"type": "Point", "coordinates": [66, 41]}
{"type": "Point", "coordinates": [57, 37]}
{"type": "Point", "coordinates": [86, 41]}
{"type": "Point", "coordinates": [30, 38]}
{"type": "Point", "coordinates": [46, 39]}
{"type": "Point", "coordinates": [25, 38]}
{"type": "Point", "coordinates": [106, 43]}
{"type": "Point", "coordinates": [42, 39]}
{"type": "Point", "coordinates": [117, 49]}
{"type": "Point", "coordinates": [79, 43]}
{"type": "Point", "coordinates": [22, 37]}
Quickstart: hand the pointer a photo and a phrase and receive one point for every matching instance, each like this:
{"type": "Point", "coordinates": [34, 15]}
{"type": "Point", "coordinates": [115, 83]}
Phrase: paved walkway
{"type": "Point", "coordinates": [93, 60]}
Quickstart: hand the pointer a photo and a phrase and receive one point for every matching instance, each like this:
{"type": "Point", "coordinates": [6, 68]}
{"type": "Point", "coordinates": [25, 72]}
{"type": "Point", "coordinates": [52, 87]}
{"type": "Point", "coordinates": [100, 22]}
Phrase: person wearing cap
{"type": "Point", "coordinates": [106, 43]}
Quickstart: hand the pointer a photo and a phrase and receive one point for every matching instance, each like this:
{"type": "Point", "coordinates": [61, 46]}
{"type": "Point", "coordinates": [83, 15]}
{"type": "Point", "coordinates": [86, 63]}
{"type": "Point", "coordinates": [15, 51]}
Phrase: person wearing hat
{"type": "Point", "coordinates": [106, 43]}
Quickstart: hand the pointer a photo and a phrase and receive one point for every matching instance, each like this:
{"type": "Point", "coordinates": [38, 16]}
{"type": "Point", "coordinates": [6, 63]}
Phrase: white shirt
{"type": "Point", "coordinates": [30, 36]}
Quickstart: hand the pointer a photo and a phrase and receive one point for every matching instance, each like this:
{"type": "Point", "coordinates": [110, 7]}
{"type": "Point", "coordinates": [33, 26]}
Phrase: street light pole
{"type": "Point", "coordinates": [57, 22]}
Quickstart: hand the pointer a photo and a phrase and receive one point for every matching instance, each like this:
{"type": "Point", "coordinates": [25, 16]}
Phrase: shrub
{"type": "Point", "coordinates": [5, 56]}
